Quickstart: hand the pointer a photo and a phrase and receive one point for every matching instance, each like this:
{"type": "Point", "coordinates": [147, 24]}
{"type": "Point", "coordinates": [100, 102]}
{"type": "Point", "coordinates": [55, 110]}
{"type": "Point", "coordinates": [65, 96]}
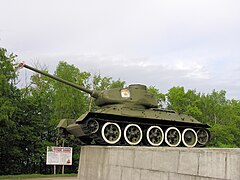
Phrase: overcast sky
{"type": "Point", "coordinates": [162, 43]}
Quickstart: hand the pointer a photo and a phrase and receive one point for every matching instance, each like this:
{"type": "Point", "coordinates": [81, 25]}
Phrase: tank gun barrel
{"type": "Point", "coordinates": [93, 93]}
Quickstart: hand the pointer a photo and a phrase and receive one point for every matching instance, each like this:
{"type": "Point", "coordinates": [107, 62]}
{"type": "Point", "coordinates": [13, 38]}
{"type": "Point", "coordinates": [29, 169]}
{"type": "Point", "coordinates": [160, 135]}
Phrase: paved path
{"type": "Point", "coordinates": [55, 178]}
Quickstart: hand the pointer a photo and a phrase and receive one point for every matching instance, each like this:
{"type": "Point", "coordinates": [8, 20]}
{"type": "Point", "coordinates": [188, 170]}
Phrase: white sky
{"type": "Point", "coordinates": [163, 43]}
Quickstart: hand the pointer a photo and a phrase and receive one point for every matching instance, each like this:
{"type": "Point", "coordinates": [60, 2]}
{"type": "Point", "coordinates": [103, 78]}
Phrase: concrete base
{"type": "Point", "coordinates": [163, 163]}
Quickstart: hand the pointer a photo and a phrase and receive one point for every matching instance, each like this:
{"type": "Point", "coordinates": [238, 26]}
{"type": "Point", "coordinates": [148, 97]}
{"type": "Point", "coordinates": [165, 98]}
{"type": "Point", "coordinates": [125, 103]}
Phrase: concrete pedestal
{"type": "Point", "coordinates": [163, 163]}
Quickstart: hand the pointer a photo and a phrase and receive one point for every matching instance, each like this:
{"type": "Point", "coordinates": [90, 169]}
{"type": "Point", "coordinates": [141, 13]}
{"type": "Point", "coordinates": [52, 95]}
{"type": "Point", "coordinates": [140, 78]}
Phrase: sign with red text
{"type": "Point", "coordinates": [59, 155]}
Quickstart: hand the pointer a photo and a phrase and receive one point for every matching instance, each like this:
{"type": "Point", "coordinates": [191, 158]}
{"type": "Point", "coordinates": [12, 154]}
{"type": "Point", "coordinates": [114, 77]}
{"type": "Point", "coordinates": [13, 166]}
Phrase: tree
{"type": "Point", "coordinates": [103, 83]}
{"type": "Point", "coordinates": [9, 101]}
{"type": "Point", "coordinates": [38, 98]}
{"type": "Point", "coordinates": [216, 107]}
{"type": "Point", "coordinates": [184, 102]}
{"type": "Point", "coordinates": [68, 102]}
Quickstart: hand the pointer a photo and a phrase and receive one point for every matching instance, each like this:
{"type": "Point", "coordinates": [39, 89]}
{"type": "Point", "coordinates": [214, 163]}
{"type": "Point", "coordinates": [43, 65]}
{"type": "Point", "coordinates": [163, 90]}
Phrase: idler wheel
{"type": "Point", "coordinates": [172, 137]}
{"type": "Point", "coordinates": [93, 126]}
{"type": "Point", "coordinates": [155, 135]}
{"type": "Point", "coordinates": [189, 137]}
{"type": "Point", "coordinates": [203, 136]}
{"type": "Point", "coordinates": [132, 134]}
{"type": "Point", "coordinates": [111, 132]}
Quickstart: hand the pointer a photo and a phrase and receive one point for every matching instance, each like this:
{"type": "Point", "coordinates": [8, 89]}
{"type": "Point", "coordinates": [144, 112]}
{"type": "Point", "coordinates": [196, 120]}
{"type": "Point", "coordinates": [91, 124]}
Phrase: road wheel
{"type": "Point", "coordinates": [189, 137]}
{"type": "Point", "coordinates": [132, 134]}
{"type": "Point", "coordinates": [155, 135]}
{"type": "Point", "coordinates": [172, 137]}
{"type": "Point", "coordinates": [111, 133]}
{"type": "Point", "coordinates": [203, 136]}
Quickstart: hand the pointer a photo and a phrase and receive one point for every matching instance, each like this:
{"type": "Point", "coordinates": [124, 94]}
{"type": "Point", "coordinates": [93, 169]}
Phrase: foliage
{"type": "Point", "coordinates": [7, 65]}
{"type": "Point", "coordinates": [68, 102]}
{"type": "Point", "coordinates": [215, 109]}
{"type": "Point", "coordinates": [28, 116]}
{"type": "Point", "coordinates": [183, 102]}
{"type": "Point", "coordinates": [9, 100]}
{"type": "Point", "coordinates": [102, 83]}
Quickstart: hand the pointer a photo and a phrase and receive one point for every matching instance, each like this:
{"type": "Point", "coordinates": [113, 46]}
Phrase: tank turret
{"type": "Point", "coordinates": [130, 116]}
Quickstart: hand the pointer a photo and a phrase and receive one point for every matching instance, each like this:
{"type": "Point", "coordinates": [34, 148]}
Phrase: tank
{"type": "Point", "coordinates": [130, 116]}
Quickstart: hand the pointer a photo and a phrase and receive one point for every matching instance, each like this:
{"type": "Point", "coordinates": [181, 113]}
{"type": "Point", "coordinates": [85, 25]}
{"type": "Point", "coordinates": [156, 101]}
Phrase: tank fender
{"type": "Point", "coordinates": [64, 123]}
{"type": "Point", "coordinates": [82, 117]}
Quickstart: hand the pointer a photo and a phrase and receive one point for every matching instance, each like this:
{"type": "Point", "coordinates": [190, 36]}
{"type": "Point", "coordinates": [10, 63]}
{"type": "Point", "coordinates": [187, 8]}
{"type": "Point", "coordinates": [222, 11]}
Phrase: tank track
{"type": "Point", "coordinates": [97, 137]}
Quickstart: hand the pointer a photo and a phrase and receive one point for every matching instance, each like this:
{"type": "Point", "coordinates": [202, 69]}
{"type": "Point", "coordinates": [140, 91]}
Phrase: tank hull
{"type": "Point", "coordinates": [145, 119]}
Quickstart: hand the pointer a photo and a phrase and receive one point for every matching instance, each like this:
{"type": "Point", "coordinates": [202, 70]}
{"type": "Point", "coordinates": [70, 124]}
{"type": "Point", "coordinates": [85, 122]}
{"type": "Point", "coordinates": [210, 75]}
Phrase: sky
{"type": "Point", "coordinates": [161, 43]}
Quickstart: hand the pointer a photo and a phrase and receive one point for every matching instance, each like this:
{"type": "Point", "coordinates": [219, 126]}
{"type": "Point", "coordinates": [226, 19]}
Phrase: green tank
{"type": "Point", "coordinates": [130, 116]}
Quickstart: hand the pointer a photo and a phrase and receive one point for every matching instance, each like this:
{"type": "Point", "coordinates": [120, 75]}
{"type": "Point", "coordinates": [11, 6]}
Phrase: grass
{"type": "Point", "coordinates": [26, 176]}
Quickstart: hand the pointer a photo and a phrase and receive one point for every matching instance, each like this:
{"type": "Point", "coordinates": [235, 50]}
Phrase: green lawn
{"type": "Point", "coordinates": [26, 176]}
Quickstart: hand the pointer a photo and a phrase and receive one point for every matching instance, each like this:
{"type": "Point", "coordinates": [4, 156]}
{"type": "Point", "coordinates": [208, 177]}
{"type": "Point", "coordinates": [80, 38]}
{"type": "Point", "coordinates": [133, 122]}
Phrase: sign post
{"type": "Point", "coordinates": [59, 156]}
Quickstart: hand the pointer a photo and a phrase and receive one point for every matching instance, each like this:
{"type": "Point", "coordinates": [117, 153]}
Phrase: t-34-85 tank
{"type": "Point", "coordinates": [130, 116]}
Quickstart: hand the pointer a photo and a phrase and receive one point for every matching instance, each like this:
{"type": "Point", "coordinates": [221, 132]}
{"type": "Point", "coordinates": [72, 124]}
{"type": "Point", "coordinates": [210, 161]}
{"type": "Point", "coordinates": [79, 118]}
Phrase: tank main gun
{"type": "Point", "coordinates": [93, 93]}
{"type": "Point", "coordinates": [135, 95]}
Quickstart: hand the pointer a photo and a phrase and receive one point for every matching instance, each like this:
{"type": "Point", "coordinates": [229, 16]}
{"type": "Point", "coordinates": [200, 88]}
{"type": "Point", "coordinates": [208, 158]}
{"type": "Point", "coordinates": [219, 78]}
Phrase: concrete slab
{"type": "Point", "coordinates": [162, 163]}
